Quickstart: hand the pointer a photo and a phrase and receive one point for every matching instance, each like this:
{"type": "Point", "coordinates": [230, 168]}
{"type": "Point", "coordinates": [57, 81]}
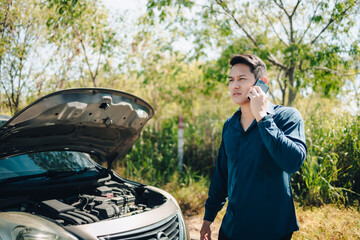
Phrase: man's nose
{"type": "Point", "coordinates": [236, 85]}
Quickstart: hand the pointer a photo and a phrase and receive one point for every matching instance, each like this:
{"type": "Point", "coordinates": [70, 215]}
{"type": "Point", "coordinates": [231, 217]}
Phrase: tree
{"type": "Point", "coordinates": [20, 31]}
{"type": "Point", "coordinates": [47, 45]}
{"type": "Point", "coordinates": [81, 30]}
{"type": "Point", "coordinates": [305, 43]}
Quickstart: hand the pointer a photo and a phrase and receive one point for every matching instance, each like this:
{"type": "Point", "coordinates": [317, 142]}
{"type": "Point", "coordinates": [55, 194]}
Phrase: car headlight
{"type": "Point", "coordinates": [25, 226]}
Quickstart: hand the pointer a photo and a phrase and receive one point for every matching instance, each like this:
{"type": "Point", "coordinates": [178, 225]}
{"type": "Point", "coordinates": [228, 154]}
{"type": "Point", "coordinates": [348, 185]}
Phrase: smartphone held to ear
{"type": "Point", "coordinates": [261, 84]}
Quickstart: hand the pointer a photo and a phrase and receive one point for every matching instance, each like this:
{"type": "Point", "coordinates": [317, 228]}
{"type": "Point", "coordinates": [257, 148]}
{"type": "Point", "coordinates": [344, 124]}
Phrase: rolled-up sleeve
{"type": "Point", "coordinates": [285, 140]}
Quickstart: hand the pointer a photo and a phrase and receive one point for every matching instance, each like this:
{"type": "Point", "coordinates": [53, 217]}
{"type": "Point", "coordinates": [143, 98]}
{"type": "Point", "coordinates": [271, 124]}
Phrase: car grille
{"type": "Point", "coordinates": [167, 229]}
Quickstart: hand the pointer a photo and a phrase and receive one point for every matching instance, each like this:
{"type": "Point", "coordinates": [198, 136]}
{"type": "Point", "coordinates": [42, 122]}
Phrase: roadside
{"type": "Point", "coordinates": [194, 225]}
{"type": "Point", "coordinates": [326, 222]}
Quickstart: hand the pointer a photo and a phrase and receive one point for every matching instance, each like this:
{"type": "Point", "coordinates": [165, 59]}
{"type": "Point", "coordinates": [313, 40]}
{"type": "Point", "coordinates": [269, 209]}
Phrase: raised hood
{"type": "Point", "coordinates": [102, 121]}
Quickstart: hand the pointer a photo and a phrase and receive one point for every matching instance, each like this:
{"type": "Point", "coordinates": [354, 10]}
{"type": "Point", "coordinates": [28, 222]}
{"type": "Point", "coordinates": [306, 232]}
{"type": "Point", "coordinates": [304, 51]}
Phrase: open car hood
{"type": "Point", "coordinates": [93, 120]}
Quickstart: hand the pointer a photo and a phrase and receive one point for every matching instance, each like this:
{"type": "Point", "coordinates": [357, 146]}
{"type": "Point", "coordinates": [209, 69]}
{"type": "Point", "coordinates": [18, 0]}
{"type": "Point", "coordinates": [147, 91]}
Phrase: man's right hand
{"type": "Point", "coordinates": [205, 232]}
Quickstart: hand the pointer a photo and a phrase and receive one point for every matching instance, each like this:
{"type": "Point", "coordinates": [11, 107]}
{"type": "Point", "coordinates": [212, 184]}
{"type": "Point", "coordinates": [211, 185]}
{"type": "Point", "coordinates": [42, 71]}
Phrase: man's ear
{"type": "Point", "coordinates": [264, 79]}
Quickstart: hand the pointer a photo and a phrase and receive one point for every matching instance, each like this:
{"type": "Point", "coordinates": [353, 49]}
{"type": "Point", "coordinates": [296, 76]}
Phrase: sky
{"type": "Point", "coordinates": [135, 8]}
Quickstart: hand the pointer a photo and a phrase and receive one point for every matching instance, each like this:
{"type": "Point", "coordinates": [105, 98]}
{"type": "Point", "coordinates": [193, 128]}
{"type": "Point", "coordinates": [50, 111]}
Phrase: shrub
{"type": "Point", "coordinates": [331, 173]}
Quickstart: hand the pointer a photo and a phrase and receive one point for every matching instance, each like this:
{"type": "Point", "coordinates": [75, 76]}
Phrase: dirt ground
{"type": "Point", "coordinates": [194, 224]}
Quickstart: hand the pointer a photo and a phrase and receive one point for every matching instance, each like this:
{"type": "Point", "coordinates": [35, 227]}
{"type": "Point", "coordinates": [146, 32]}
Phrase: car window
{"type": "Point", "coordinates": [36, 163]}
{"type": "Point", "coordinates": [3, 119]}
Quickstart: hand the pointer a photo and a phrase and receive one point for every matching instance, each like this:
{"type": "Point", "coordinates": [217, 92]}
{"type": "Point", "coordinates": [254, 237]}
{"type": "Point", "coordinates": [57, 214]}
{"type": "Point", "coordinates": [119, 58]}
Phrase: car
{"type": "Point", "coordinates": [3, 119]}
{"type": "Point", "coordinates": [56, 178]}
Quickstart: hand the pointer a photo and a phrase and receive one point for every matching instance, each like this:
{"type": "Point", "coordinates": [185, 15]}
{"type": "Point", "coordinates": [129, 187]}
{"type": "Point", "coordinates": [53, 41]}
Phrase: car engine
{"type": "Point", "coordinates": [108, 201]}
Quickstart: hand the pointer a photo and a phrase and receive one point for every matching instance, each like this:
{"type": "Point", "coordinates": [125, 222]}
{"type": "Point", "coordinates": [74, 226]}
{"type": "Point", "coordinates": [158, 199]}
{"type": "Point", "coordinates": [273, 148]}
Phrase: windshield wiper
{"type": "Point", "coordinates": [63, 174]}
{"type": "Point", "coordinates": [48, 174]}
{"type": "Point", "coordinates": [20, 178]}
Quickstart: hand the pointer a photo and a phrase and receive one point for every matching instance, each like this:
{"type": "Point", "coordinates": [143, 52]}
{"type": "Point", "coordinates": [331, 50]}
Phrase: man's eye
{"type": "Point", "coordinates": [231, 80]}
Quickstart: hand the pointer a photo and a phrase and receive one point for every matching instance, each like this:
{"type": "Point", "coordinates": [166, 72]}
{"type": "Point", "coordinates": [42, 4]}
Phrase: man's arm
{"type": "Point", "coordinates": [218, 186]}
{"type": "Point", "coordinates": [286, 143]}
{"type": "Point", "coordinates": [217, 192]}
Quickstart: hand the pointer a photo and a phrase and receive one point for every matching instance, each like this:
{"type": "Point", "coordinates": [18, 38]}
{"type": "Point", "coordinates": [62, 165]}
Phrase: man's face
{"type": "Point", "coordinates": [240, 80]}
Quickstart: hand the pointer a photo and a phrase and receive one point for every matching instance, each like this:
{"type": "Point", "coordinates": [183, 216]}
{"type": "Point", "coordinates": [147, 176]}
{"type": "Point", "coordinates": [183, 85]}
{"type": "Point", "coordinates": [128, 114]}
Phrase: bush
{"type": "Point", "coordinates": [331, 173]}
{"type": "Point", "coordinates": [153, 158]}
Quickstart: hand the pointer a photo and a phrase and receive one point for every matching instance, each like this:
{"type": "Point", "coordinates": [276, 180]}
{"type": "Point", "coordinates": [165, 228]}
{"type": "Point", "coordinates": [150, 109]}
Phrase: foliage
{"type": "Point", "coordinates": [190, 190]}
{"type": "Point", "coordinates": [51, 45]}
{"type": "Point", "coordinates": [154, 157]}
{"type": "Point", "coordinates": [81, 31]}
{"type": "Point", "coordinates": [20, 36]}
{"type": "Point", "coordinates": [331, 172]}
{"type": "Point", "coordinates": [310, 54]}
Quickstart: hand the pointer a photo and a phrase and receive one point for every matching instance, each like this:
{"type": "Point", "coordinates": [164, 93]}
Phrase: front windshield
{"type": "Point", "coordinates": [41, 162]}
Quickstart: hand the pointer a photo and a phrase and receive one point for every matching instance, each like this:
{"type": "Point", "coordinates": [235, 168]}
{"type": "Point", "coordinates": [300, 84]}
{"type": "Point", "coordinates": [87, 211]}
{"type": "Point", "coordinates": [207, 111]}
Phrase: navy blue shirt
{"type": "Point", "coordinates": [252, 172]}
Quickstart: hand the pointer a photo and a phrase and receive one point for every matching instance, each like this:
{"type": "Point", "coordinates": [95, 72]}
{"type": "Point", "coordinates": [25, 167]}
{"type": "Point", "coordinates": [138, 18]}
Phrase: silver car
{"type": "Point", "coordinates": [52, 185]}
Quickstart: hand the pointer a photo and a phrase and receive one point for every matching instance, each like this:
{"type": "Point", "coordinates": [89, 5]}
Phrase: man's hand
{"type": "Point", "coordinates": [205, 232]}
{"type": "Point", "coordinates": [258, 102]}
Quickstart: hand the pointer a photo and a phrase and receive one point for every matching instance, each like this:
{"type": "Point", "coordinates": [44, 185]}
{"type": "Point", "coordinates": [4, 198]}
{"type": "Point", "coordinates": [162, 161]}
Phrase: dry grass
{"type": "Point", "coordinates": [323, 223]}
{"type": "Point", "coordinates": [328, 223]}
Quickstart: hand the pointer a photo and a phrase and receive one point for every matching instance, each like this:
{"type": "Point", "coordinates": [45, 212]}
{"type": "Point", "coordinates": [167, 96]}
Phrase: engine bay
{"type": "Point", "coordinates": [106, 200]}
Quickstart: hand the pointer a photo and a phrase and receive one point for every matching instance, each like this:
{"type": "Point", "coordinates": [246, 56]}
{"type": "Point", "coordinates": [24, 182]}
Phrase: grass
{"type": "Point", "coordinates": [328, 222]}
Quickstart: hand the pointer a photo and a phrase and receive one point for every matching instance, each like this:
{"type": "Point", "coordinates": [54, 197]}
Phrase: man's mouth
{"type": "Point", "coordinates": [236, 94]}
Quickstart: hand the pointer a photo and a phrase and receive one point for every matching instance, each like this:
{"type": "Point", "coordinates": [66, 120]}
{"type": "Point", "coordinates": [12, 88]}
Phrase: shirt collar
{"type": "Point", "coordinates": [270, 108]}
{"type": "Point", "coordinates": [236, 117]}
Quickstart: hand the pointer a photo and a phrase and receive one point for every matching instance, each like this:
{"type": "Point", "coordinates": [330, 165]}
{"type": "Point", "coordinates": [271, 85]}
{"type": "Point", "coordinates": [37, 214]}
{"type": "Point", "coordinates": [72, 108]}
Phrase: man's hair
{"type": "Point", "coordinates": [257, 66]}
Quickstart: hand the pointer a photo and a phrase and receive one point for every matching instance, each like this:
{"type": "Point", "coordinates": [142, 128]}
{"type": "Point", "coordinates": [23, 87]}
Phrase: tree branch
{"type": "Point", "coordinates": [283, 25]}
{"type": "Point", "coordinates": [309, 25]}
{"type": "Point", "coordinates": [329, 70]}
{"type": "Point", "coordinates": [99, 59]}
{"type": "Point", "coordinates": [272, 26]}
{"type": "Point", "coordinates": [271, 58]}
{"type": "Point", "coordinates": [227, 10]}
{"type": "Point", "coordinates": [331, 20]}
{"type": "Point", "coordinates": [281, 6]}
{"type": "Point", "coordinates": [86, 58]}
{"type": "Point", "coordinates": [295, 8]}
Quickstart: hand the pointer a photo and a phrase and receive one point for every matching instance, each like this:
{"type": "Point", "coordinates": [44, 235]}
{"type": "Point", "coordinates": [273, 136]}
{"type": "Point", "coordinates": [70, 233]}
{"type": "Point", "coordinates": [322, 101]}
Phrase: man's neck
{"type": "Point", "coordinates": [247, 116]}
{"type": "Point", "coordinates": [246, 112]}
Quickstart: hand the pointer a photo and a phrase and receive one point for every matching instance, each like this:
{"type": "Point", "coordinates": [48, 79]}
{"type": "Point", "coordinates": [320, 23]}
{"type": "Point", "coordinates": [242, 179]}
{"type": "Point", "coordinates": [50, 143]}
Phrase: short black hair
{"type": "Point", "coordinates": [257, 66]}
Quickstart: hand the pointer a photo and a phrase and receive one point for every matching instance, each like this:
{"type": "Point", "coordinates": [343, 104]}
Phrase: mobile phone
{"type": "Point", "coordinates": [261, 84]}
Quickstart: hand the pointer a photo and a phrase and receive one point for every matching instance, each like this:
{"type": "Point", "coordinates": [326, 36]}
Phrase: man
{"type": "Point", "coordinates": [262, 144]}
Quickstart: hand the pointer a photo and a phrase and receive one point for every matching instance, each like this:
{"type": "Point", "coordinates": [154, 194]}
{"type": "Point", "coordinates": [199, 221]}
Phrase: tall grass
{"type": "Point", "coordinates": [153, 159]}
{"type": "Point", "coordinates": [330, 174]}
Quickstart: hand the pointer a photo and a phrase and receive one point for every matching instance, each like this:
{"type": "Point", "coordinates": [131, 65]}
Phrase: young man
{"type": "Point", "coordinates": [262, 144]}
